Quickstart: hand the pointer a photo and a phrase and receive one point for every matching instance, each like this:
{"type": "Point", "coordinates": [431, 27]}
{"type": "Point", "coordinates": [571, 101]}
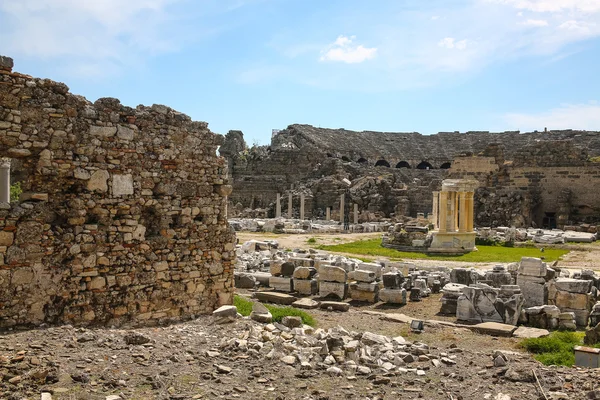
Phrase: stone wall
{"type": "Point", "coordinates": [122, 216]}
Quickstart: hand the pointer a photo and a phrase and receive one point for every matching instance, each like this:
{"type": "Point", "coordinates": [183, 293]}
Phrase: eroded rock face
{"type": "Point", "coordinates": [125, 219]}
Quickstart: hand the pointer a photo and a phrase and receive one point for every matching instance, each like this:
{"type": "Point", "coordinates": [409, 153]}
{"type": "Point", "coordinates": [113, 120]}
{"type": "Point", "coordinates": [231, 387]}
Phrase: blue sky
{"type": "Point", "coordinates": [384, 65]}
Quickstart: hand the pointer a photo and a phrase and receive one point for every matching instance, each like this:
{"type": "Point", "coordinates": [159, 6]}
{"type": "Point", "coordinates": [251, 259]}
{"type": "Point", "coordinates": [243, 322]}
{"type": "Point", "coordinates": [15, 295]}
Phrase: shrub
{"type": "Point", "coordinates": [312, 240]}
{"type": "Point", "coordinates": [15, 191]}
{"type": "Point", "coordinates": [555, 349]}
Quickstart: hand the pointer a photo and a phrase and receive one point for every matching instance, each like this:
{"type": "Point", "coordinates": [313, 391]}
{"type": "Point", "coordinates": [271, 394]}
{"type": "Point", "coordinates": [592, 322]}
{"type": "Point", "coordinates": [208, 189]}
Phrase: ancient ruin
{"type": "Point", "coordinates": [121, 218]}
{"type": "Point", "coordinates": [539, 179]}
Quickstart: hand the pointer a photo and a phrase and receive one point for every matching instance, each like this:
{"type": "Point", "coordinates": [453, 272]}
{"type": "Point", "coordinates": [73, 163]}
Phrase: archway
{"type": "Point", "coordinates": [403, 164]}
{"type": "Point", "coordinates": [362, 161]}
{"type": "Point", "coordinates": [346, 159]}
{"type": "Point", "coordinates": [424, 165]}
{"type": "Point", "coordinates": [446, 165]}
{"type": "Point", "coordinates": [382, 163]}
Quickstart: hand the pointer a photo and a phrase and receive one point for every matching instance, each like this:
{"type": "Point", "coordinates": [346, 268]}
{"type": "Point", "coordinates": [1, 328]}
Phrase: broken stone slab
{"type": "Point", "coordinates": [261, 314]}
{"type": "Point", "coordinates": [306, 304]}
{"type": "Point", "coordinates": [396, 317]}
{"type": "Point", "coordinates": [276, 298]}
{"type": "Point", "coordinates": [334, 305]}
{"type": "Point", "coordinates": [494, 329]}
{"type": "Point", "coordinates": [225, 311]}
{"type": "Point", "coordinates": [525, 332]}
{"type": "Point", "coordinates": [291, 321]}
{"type": "Point", "coordinates": [282, 284]}
{"type": "Point", "coordinates": [392, 280]}
{"type": "Point", "coordinates": [372, 267]}
{"type": "Point", "coordinates": [335, 289]}
{"type": "Point", "coordinates": [369, 338]}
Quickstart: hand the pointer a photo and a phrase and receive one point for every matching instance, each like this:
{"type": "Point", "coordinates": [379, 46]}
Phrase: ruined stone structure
{"type": "Point", "coordinates": [122, 216]}
{"type": "Point", "coordinates": [537, 178]}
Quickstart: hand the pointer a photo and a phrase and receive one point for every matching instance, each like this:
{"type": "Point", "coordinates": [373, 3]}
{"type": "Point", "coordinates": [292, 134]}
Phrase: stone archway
{"type": "Point", "coordinates": [403, 164]}
{"type": "Point", "coordinates": [382, 163]}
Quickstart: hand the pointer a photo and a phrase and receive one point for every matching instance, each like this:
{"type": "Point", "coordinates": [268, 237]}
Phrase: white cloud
{"type": "Point", "coordinates": [588, 6]}
{"type": "Point", "coordinates": [343, 50]}
{"type": "Point", "coordinates": [435, 17]}
{"type": "Point", "coordinates": [536, 22]}
{"type": "Point", "coordinates": [568, 116]}
{"type": "Point", "coordinates": [451, 43]}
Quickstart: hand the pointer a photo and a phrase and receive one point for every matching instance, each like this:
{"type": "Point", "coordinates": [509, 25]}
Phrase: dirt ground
{"type": "Point", "coordinates": [581, 256]}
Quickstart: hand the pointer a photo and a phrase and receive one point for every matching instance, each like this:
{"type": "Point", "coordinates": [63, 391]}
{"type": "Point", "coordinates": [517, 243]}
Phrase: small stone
{"type": "Point", "coordinates": [225, 311]}
{"type": "Point", "coordinates": [291, 321]}
{"type": "Point", "coordinates": [223, 369]}
{"type": "Point", "coordinates": [289, 360]}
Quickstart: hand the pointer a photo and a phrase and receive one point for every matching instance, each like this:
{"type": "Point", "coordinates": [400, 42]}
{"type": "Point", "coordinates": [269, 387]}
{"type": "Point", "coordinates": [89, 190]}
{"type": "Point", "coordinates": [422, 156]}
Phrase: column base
{"type": "Point", "coordinates": [452, 242]}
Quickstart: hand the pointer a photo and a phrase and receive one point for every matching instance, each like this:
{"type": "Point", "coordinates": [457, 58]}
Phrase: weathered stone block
{"type": "Point", "coordinates": [532, 267]}
{"type": "Point", "coordinates": [363, 275]}
{"type": "Point", "coordinates": [281, 284]}
{"type": "Point", "coordinates": [332, 274]}
{"type": "Point", "coordinates": [6, 238]}
{"type": "Point", "coordinates": [393, 296]}
{"type": "Point", "coordinates": [573, 285]}
{"type": "Point", "coordinates": [335, 289]}
{"type": "Point", "coordinates": [98, 181]}
{"type": "Point", "coordinates": [307, 287]}
{"type": "Point", "coordinates": [122, 185]}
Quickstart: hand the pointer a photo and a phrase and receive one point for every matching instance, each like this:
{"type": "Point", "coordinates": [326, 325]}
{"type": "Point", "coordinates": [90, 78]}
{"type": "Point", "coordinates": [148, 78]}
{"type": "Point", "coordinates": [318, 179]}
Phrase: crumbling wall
{"type": "Point", "coordinates": [122, 218]}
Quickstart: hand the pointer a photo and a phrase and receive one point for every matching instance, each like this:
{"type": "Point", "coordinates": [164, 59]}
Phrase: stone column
{"type": "Point", "coordinates": [5, 181]}
{"type": "Point", "coordinates": [302, 207]}
{"type": "Point", "coordinates": [278, 206]}
{"type": "Point", "coordinates": [463, 217]}
{"type": "Point", "coordinates": [443, 217]}
{"type": "Point", "coordinates": [436, 198]}
{"type": "Point", "coordinates": [450, 217]}
{"type": "Point", "coordinates": [290, 209]}
{"type": "Point", "coordinates": [342, 209]}
{"type": "Point", "coordinates": [328, 214]}
{"type": "Point", "coordinates": [355, 214]}
{"type": "Point", "coordinates": [470, 211]}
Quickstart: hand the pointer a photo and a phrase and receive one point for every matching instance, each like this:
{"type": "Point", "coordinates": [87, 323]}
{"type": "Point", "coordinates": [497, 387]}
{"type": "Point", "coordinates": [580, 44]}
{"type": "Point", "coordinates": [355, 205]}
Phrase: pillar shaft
{"type": "Point", "coordinates": [434, 211]}
{"type": "Point", "coordinates": [450, 217]}
{"type": "Point", "coordinates": [328, 214]}
{"type": "Point", "coordinates": [470, 211]}
{"type": "Point", "coordinates": [278, 206]}
{"type": "Point", "coordinates": [342, 209]}
{"type": "Point", "coordinates": [463, 213]}
{"type": "Point", "coordinates": [290, 209]}
{"type": "Point", "coordinates": [443, 212]}
{"type": "Point", "coordinates": [355, 214]}
{"type": "Point", "coordinates": [302, 207]}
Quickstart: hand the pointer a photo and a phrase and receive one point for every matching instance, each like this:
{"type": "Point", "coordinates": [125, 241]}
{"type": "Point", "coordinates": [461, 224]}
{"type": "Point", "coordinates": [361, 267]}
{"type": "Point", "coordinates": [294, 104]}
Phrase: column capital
{"type": "Point", "coordinates": [5, 162]}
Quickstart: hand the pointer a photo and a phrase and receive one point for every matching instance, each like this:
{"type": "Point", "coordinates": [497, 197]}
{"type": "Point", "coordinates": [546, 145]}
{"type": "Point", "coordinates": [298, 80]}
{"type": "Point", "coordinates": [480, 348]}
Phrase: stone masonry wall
{"type": "Point", "coordinates": [122, 217]}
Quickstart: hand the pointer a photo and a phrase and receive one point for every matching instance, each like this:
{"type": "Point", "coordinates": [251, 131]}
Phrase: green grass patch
{"type": "Point", "coordinates": [312, 240]}
{"type": "Point", "coordinates": [244, 307]}
{"type": "Point", "coordinates": [372, 247]}
{"type": "Point", "coordinates": [555, 349]}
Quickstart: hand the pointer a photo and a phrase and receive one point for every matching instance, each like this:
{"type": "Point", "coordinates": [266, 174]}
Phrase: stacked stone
{"type": "Point", "coordinates": [366, 282]}
{"type": "Point", "coordinates": [451, 293]}
{"type": "Point", "coordinates": [543, 317]}
{"type": "Point", "coordinates": [332, 282]}
{"type": "Point", "coordinates": [281, 275]}
{"type": "Point", "coordinates": [531, 278]}
{"type": "Point", "coordinates": [304, 281]}
{"type": "Point", "coordinates": [572, 296]}
{"type": "Point", "coordinates": [122, 218]}
{"type": "Point", "coordinates": [393, 292]}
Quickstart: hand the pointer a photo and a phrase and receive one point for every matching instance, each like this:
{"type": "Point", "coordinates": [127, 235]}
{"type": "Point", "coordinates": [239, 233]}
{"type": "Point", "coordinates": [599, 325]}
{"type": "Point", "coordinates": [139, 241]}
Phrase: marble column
{"type": "Point", "coordinates": [355, 214]}
{"type": "Point", "coordinates": [462, 209]}
{"type": "Point", "coordinates": [278, 206]}
{"type": "Point", "coordinates": [302, 207]}
{"type": "Point", "coordinates": [5, 181]}
{"type": "Point", "coordinates": [470, 211]}
{"type": "Point", "coordinates": [328, 214]}
{"type": "Point", "coordinates": [290, 209]}
{"type": "Point", "coordinates": [443, 217]}
{"type": "Point", "coordinates": [436, 198]}
{"type": "Point", "coordinates": [451, 217]}
{"type": "Point", "coordinates": [342, 209]}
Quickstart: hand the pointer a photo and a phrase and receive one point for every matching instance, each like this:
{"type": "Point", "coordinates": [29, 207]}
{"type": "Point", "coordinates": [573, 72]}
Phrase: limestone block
{"type": "Point", "coordinates": [275, 267]}
{"type": "Point", "coordinates": [281, 284]}
{"type": "Point", "coordinates": [98, 181]}
{"type": "Point", "coordinates": [532, 267]}
{"type": "Point", "coordinates": [277, 298]}
{"type": "Point", "coordinates": [364, 286]}
{"type": "Point", "coordinates": [307, 287]}
{"type": "Point", "coordinates": [362, 275]}
{"type": "Point", "coordinates": [573, 285]}
{"type": "Point", "coordinates": [575, 301]}
{"type": "Point", "coordinates": [22, 276]}
{"type": "Point", "coordinates": [533, 289]}
{"type": "Point", "coordinates": [392, 280]}
{"type": "Point", "coordinates": [363, 295]}
{"type": "Point", "coordinates": [304, 272]}
{"type": "Point", "coordinates": [375, 268]}
{"type": "Point", "coordinates": [225, 311]}
{"type": "Point", "coordinates": [81, 173]}
{"type": "Point", "coordinates": [97, 282]}
{"type": "Point", "coordinates": [335, 289]}
{"type": "Point", "coordinates": [124, 133]}
{"type": "Point", "coordinates": [332, 274]}
{"type": "Point", "coordinates": [244, 280]}
{"type": "Point", "coordinates": [581, 316]}
{"type": "Point", "coordinates": [122, 185]}
{"type": "Point", "coordinates": [393, 296]}
{"type": "Point", "coordinates": [287, 269]}
{"type": "Point", "coordinates": [103, 131]}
